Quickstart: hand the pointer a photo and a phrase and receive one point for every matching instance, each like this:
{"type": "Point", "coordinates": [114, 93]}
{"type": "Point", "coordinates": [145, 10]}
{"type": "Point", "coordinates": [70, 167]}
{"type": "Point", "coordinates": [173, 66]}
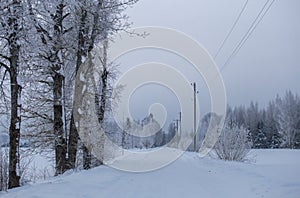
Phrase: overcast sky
{"type": "Point", "coordinates": [269, 62]}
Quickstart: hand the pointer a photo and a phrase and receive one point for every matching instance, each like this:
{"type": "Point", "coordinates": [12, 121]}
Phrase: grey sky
{"type": "Point", "coordinates": [269, 62]}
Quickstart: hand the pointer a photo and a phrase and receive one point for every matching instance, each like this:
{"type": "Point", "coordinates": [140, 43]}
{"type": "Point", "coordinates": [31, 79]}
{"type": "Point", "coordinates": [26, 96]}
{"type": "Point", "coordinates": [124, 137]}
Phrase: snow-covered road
{"type": "Point", "coordinates": [275, 174]}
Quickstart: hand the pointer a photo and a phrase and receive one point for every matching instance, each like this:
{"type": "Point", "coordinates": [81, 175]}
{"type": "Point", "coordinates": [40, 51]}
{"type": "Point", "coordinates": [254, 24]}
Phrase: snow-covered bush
{"type": "Point", "coordinates": [233, 144]}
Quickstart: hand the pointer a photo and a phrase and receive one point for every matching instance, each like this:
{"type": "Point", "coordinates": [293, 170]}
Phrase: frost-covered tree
{"type": "Point", "coordinates": [272, 126]}
{"type": "Point", "coordinates": [289, 113]}
{"type": "Point", "coordinates": [53, 27]}
{"type": "Point", "coordinates": [205, 121]}
{"type": "Point", "coordinates": [252, 120]}
{"type": "Point", "coordinates": [276, 126]}
{"type": "Point", "coordinates": [125, 141]}
{"type": "Point", "coordinates": [260, 139]}
{"type": "Point", "coordinates": [149, 127]}
{"type": "Point", "coordinates": [95, 22]}
{"type": "Point", "coordinates": [171, 132]}
{"type": "Point", "coordinates": [12, 38]}
{"type": "Point", "coordinates": [64, 33]}
{"type": "Point", "coordinates": [239, 116]}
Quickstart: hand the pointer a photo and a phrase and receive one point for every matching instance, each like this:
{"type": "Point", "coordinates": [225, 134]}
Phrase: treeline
{"type": "Point", "coordinates": [42, 45]}
{"type": "Point", "coordinates": [275, 126]}
{"type": "Point", "coordinates": [127, 136]}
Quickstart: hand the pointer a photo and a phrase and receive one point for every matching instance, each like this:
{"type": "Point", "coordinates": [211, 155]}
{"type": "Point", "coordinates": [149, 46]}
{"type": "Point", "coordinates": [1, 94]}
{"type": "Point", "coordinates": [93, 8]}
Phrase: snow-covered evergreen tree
{"type": "Point", "coordinates": [260, 140]}
{"type": "Point", "coordinates": [271, 126]}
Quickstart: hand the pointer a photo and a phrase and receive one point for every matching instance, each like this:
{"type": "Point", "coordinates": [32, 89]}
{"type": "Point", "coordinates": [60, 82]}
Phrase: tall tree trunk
{"type": "Point", "coordinates": [58, 87]}
{"type": "Point", "coordinates": [73, 134]}
{"type": "Point", "coordinates": [15, 117]}
{"type": "Point", "coordinates": [72, 144]}
{"type": "Point", "coordinates": [103, 98]}
{"type": "Point", "coordinates": [104, 77]}
{"type": "Point", "coordinates": [86, 158]}
{"type": "Point", "coordinates": [85, 45]}
{"type": "Point", "coordinates": [60, 142]}
{"type": "Point", "coordinates": [14, 129]}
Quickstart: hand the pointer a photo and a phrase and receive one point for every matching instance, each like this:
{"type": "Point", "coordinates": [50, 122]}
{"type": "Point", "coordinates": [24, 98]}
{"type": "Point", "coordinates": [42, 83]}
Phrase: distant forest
{"type": "Point", "coordinates": [275, 126]}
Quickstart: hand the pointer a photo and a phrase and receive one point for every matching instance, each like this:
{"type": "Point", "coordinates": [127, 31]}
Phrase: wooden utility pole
{"type": "Point", "coordinates": [179, 124]}
{"type": "Point", "coordinates": [195, 129]}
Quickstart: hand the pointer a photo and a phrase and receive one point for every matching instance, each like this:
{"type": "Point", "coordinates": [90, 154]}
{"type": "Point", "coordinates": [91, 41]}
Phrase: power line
{"type": "Point", "coordinates": [256, 25]}
{"type": "Point", "coordinates": [232, 28]}
{"type": "Point", "coordinates": [249, 32]}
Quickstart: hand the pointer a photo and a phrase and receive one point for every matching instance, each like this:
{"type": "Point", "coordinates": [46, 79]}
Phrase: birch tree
{"type": "Point", "coordinates": [96, 20]}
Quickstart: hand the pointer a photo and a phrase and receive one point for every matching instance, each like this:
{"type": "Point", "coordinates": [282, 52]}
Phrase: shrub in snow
{"type": "Point", "coordinates": [233, 144]}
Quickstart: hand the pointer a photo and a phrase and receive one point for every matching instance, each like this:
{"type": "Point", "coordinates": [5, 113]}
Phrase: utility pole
{"type": "Point", "coordinates": [179, 124]}
{"type": "Point", "coordinates": [195, 115]}
{"type": "Point", "coordinates": [178, 127]}
{"type": "Point", "coordinates": [123, 136]}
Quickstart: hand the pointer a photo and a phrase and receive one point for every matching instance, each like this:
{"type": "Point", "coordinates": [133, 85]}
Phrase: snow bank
{"type": "Point", "coordinates": [274, 174]}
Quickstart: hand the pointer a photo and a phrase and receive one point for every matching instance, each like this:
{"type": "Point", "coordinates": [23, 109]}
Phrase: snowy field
{"type": "Point", "coordinates": [269, 173]}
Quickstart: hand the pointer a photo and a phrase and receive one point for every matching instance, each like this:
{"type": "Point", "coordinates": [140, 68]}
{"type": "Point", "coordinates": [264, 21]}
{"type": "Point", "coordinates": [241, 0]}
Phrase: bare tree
{"type": "Point", "coordinates": [12, 35]}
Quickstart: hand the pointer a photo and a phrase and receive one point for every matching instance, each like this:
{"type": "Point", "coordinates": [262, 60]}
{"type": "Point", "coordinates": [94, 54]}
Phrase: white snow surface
{"type": "Point", "coordinates": [270, 173]}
